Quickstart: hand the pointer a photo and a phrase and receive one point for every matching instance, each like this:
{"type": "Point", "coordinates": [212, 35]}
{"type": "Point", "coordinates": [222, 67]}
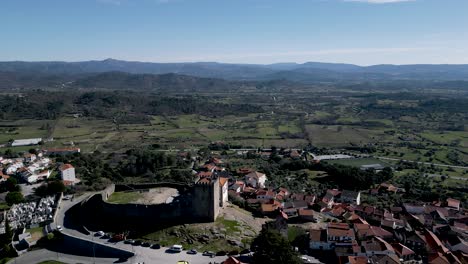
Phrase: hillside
{"type": "Point", "coordinates": [152, 82]}
{"type": "Point", "coordinates": [307, 72]}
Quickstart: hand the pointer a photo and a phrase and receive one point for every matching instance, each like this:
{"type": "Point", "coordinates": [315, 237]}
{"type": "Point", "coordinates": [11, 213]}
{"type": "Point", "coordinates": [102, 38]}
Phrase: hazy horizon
{"type": "Point", "coordinates": [361, 32]}
{"type": "Point", "coordinates": [234, 63]}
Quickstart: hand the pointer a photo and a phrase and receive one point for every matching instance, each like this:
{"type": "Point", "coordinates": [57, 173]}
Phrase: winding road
{"type": "Point", "coordinates": [141, 254]}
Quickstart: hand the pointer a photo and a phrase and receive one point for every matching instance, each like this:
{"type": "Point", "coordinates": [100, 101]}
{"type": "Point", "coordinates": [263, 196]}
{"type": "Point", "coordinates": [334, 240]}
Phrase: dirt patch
{"type": "Point", "coordinates": [233, 212]}
{"type": "Point", "coordinates": [158, 196]}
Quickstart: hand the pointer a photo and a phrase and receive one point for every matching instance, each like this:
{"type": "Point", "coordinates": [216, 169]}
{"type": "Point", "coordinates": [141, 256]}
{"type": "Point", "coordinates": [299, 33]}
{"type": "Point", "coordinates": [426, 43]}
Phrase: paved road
{"type": "Point", "coordinates": [142, 254]}
{"type": "Point", "coordinates": [44, 254]}
{"type": "Point", "coordinates": [424, 163]}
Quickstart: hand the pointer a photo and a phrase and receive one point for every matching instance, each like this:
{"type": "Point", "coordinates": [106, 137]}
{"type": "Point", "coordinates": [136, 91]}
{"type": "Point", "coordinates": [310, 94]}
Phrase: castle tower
{"type": "Point", "coordinates": [206, 199]}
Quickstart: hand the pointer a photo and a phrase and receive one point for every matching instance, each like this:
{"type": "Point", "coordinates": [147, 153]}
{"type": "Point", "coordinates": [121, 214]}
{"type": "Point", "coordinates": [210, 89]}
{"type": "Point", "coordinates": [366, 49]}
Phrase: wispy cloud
{"type": "Point", "coordinates": [380, 1]}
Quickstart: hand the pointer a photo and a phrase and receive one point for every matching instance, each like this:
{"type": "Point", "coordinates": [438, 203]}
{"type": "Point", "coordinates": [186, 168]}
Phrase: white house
{"type": "Point", "coordinates": [256, 179]}
{"type": "Point", "coordinates": [67, 172]}
{"type": "Point", "coordinates": [223, 189]}
{"type": "Point", "coordinates": [13, 167]}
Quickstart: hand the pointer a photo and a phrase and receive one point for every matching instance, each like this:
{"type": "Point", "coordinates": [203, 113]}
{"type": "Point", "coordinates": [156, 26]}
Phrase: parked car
{"type": "Point", "coordinates": [59, 228]}
{"type": "Point", "coordinates": [156, 246]}
{"type": "Point", "coordinates": [209, 254]}
{"type": "Point", "coordinates": [137, 243]}
{"type": "Point", "coordinates": [192, 251]}
{"type": "Point", "coordinates": [221, 253]}
{"type": "Point", "coordinates": [99, 233]}
{"type": "Point", "coordinates": [146, 244]}
{"type": "Point", "coordinates": [176, 248]}
{"type": "Point", "coordinates": [129, 241]}
{"type": "Point", "coordinates": [106, 236]}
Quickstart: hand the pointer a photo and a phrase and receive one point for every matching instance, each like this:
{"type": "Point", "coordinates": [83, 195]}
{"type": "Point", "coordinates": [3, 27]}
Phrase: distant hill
{"type": "Point", "coordinates": [306, 72]}
{"type": "Point", "coordinates": [152, 82]}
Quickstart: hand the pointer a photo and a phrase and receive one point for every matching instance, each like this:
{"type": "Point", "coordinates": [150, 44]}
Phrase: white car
{"type": "Point", "coordinates": [59, 228]}
{"type": "Point", "coordinates": [99, 233]}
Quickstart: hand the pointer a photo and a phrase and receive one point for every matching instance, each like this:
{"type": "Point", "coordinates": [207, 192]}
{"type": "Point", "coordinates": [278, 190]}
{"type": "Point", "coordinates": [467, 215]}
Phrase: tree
{"type": "Point", "coordinates": [271, 247]}
{"type": "Point", "coordinates": [14, 198]}
{"type": "Point", "coordinates": [10, 185]}
{"type": "Point", "coordinates": [55, 187]}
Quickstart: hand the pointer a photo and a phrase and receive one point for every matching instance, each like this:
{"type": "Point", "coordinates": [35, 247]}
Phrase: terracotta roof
{"type": "Point", "coordinates": [222, 181]}
{"type": "Point", "coordinates": [268, 208]}
{"type": "Point", "coordinates": [317, 235]}
{"type": "Point", "coordinates": [333, 192]}
{"type": "Point", "coordinates": [205, 174]}
{"type": "Point", "coordinates": [357, 260]}
{"type": "Point", "coordinates": [380, 232]}
{"type": "Point", "coordinates": [204, 180]}
{"type": "Point", "coordinates": [437, 258]}
{"type": "Point", "coordinates": [434, 242]}
{"type": "Point", "coordinates": [453, 203]}
{"type": "Point", "coordinates": [216, 161]}
{"type": "Point", "coordinates": [232, 260]}
{"type": "Point", "coordinates": [402, 250]}
{"type": "Point", "coordinates": [66, 167]}
{"type": "Point", "coordinates": [305, 212]}
{"type": "Point", "coordinates": [339, 230]}
{"type": "Point", "coordinates": [209, 166]}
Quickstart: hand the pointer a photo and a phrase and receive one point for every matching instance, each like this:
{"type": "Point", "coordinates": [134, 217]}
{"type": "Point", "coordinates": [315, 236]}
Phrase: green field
{"type": "Point", "coordinates": [124, 197]}
{"type": "Point", "coordinates": [358, 162]}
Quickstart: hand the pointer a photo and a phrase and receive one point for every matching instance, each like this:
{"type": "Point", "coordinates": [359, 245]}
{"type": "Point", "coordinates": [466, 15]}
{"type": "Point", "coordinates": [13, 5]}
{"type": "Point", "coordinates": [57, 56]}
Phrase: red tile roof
{"type": "Point", "coordinates": [66, 167]}
{"type": "Point", "coordinates": [402, 250]}
{"type": "Point", "coordinates": [340, 230]}
{"type": "Point", "coordinates": [453, 203]}
{"type": "Point", "coordinates": [222, 181]}
{"type": "Point", "coordinates": [357, 260]}
{"type": "Point", "coordinates": [233, 260]}
{"type": "Point", "coordinates": [205, 174]}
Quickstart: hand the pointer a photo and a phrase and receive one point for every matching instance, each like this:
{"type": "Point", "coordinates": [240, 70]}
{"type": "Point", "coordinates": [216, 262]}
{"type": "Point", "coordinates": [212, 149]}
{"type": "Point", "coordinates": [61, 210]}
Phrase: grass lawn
{"type": "Point", "coordinates": [124, 197]}
{"type": "Point", "coordinates": [36, 232]}
{"type": "Point", "coordinates": [358, 162]}
{"type": "Point", "coordinates": [4, 206]}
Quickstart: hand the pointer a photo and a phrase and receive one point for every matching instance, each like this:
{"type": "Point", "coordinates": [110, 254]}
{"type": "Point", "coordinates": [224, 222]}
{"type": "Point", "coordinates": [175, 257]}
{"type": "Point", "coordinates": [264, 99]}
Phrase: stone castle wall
{"type": "Point", "coordinates": [195, 203]}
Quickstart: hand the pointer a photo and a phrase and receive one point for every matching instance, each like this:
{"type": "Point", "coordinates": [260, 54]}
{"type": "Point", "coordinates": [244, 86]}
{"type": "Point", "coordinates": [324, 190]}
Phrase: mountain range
{"type": "Point", "coordinates": [307, 72]}
{"type": "Point", "coordinates": [118, 74]}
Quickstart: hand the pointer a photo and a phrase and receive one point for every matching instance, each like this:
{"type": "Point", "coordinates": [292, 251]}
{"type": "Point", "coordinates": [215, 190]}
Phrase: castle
{"type": "Point", "coordinates": [198, 202]}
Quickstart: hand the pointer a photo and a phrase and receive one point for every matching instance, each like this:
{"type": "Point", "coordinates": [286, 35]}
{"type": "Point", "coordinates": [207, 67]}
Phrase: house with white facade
{"type": "Point", "coordinates": [223, 189]}
{"type": "Point", "coordinates": [256, 179]}
{"type": "Point", "coordinates": [67, 171]}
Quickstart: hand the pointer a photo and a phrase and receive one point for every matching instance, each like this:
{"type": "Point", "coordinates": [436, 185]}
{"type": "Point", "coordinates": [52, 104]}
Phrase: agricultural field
{"type": "Point", "coordinates": [405, 125]}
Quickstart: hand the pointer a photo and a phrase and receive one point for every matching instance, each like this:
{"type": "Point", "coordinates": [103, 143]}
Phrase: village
{"type": "Point", "coordinates": [27, 213]}
{"type": "Point", "coordinates": [353, 231]}
{"type": "Point", "coordinates": [339, 224]}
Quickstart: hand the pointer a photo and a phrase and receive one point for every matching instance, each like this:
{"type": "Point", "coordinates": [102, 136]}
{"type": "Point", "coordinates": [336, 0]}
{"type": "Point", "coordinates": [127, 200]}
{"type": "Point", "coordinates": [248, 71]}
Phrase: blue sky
{"type": "Point", "coordinates": [237, 31]}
